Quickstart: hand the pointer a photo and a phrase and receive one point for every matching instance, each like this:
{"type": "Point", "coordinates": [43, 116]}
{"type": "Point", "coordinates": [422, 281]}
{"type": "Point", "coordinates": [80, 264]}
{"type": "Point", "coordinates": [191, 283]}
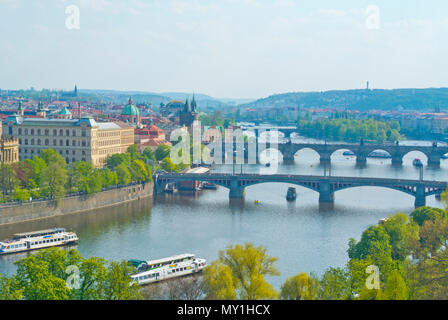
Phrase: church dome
{"type": "Point", "coordinates": [130, 109]}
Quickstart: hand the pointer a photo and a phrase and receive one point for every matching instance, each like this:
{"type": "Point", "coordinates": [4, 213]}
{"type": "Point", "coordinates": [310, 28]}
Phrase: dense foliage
{"type": "Point", "coordinates": [410, 99]}
{"type": "Point", "coordinates": [49, 176]}
{"type": "Point", "coordinates": [342, 129]}
{"type": "Point", "coordinates": [56, 274]}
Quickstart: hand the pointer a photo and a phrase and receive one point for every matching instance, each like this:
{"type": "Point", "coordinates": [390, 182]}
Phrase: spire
{"type": "Point", "coordinates": [130, 102]}
{"type": "Point", "coordinates": [20, 105]}
{"type": "Point", "coordinates": [75, 92]}
{"type": "Point", "coordinates": [40, 106]}
{"type": "Point", "coordinates": [193, 104]}
{"type": "Point", "coordinates": [187, 106]}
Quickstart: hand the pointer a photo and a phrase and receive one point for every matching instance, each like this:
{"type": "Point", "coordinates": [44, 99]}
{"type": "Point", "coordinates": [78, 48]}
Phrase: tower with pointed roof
{"type": "Point", "coordinates": [20, 110]}
{"type": "Point", "coordinates": [189, 114]}
{"type": "Point", "coordinates": [41, 112]}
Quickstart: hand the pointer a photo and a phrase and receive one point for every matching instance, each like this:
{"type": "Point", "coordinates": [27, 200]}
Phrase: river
{"type": "Point", "coordinates": [304, 238]}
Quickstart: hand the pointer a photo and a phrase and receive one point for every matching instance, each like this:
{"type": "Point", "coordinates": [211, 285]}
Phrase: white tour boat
{"type": "Point", "coordinates": [167, 268]}
{"type": "Point", "coordinates": [38, 240]}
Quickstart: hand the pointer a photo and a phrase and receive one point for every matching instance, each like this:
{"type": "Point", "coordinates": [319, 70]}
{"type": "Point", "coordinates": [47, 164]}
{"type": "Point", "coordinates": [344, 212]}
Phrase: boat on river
{"type": "Point", "coordinates": [291, 195]}
{"type": "Point", "coordinates": [209, 186]}
{"type": "Point", "coordinates": [379, 155]}
{"type": "Point", "coordinates": [348, 153]}
{"type": "Point", "coordinates": [417, 163]}
{"type": "Point", "coordinates": [36, 240]}
{"type": "Point", "coordinates": [166, 268]}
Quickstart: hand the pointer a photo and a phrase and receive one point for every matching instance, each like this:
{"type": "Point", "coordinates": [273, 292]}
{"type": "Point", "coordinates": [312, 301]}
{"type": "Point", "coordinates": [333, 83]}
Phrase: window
{"type": "Point", "coordinates": [38, 142]}
{"type": "Point", "coordinates": [55, 142]}
{"type": "Point", "coordinates": [26, 131]}
{"type": "Point", "coordinates": [55, 132]}
{"type": "Point", "coordinates": [32, 142]}
{"type": "Point", "coordinates": [47, 142]}
{"type": "Point", "coordinates": [74, 143]}
{"type": "Point", "coordinates": [20, 130]}
{"type": "Point", "coordinates": [47, 132]}
{"type": "Point", "coordinates": [74, 133]}
{"type": "Point", "coordinates": [61, 143]}
{"type": "Point", "coordinates": [32, 132]}
{"type": "Point", "coordinates": [38, 132]}
{"type": "Point", "coordinates": [67, 143]}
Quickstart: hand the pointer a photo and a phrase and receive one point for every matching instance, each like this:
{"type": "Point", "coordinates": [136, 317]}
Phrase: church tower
{"type": "Point", "coordinates": [189, 113]}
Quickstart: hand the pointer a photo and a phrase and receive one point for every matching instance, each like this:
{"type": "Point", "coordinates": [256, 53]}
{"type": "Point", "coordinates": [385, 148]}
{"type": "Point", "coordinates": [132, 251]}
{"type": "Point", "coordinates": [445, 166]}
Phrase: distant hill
{"type": "Point", "coordinates": [204, 101]}
{"type": "Point", "coordinates": [379, 99]}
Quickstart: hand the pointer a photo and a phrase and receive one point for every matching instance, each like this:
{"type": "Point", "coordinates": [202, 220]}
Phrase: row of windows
{"type": "Point", "coordinates": [60, 152]}
{"type": "Point", "coordinates": [55, 142]}
{"type": "Point", "coordinates": [39, 132]}
{"type": "Point", "coordinates": [148, 276]}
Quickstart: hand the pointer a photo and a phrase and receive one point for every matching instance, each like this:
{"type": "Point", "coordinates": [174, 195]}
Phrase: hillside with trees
{"type": "Point", "coordinates": [378, 99]}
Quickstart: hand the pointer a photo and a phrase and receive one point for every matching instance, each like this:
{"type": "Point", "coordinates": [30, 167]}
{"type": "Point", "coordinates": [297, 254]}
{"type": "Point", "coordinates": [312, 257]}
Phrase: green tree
{"type": "Point", "coordinates": [300, 287]}
{"type": "Point", "coordinates": [168, 165]}
{"type": "Point", "coordinates": [335, 285]}
{"type": "Point", "coordinates": [423, 214]}
{"type": "Point", "coordinates": [162, 152]}
{"type": "Point", "coordinates": [244, 269]}
{"type": "Point", "coordinates": [54, 180]}
{"type": "Point", "coordinates": [123, 174]}
{"type": "Point", "coordinates": [21, 194]}
{"type": "Point", "coordinates": [10, 289]}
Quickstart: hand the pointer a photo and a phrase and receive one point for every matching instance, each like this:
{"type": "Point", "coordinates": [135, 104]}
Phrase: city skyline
{"type": "Point", "coordinates": [225, 49]}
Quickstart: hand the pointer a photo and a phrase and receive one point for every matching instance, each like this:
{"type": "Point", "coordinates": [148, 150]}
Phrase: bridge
{"type": "Point", "coordinates": [288, 150]}
{"type": "Point", "coordinates": [361, 151]}
{"type": "Point", "coordinates": [326, 186]}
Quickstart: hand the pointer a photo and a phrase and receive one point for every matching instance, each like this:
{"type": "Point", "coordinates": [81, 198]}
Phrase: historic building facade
{"type": "Point", "coordinates": [75, 139]}
{"type": "Point", "coordinates": [9, 149]}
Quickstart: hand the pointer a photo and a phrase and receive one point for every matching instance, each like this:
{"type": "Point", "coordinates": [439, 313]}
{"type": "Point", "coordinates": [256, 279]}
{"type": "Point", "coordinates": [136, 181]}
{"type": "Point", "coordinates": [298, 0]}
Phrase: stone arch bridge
{"type": "Point", "coordinates": [325, 186]}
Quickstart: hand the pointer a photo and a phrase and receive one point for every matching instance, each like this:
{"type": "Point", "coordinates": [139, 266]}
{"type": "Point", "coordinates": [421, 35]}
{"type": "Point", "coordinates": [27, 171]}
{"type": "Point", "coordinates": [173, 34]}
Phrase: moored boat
{"type": "Point", "coordinates": [379, 154]}
{"type": "Point", "coordinates": [417, 162]}
{"type": "Point", "coordinates": [209, 186]}
{"type": "Point", "coordinates": [166, 268]}
{"type": "Point", "coordinates": [348, 153]}
{"type": "Point", "coordinates": [291, 195]}
{"type": "Point", "coordinates": [36, 240]}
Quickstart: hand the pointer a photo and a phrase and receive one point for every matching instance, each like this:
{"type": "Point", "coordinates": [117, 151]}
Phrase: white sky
{"type": "Point", "coordinates": [224, 48]}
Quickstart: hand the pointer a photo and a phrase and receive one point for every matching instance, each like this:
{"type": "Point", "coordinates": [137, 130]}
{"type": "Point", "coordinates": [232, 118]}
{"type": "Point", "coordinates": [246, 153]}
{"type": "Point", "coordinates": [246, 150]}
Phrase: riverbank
{"type": "Point", "coordinates": [31, 211]}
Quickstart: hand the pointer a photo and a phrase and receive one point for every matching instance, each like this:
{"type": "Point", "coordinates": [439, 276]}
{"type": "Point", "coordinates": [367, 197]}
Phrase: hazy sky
{"type": "Point", "coordinates": [225, 48]}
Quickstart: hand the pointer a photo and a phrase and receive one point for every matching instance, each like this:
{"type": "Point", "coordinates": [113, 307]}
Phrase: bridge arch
{"type": "Point", "coordinates": [314, 154]}
{"type": "Point", "coordinates": [409, 156]}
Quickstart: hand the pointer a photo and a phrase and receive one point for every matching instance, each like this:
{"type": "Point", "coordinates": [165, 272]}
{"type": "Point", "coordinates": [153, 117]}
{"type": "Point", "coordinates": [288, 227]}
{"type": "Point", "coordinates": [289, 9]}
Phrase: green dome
{"type": "Point", "coordinates": [65, 111]}
{"type": "Point", "coordinates": [130, 109]}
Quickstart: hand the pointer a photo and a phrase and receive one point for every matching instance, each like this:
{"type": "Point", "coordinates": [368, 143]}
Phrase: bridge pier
{"type": "Point", "coordinates": [236, 191]}
{"type": "Point", "coordinates": [434, 161]}
{"type": "Point", "coordinates": [420, 197]}
{"type": "Point", "coordinates": [325, 158]}
{"type": "Point", "coordinates": [159, 187]}
{"type": "Point", "coordinates": [326, 195]}
{"type": "Point", "coordinates": [361, 160]}
{"type": "Point", "coordinates": [397, 160]}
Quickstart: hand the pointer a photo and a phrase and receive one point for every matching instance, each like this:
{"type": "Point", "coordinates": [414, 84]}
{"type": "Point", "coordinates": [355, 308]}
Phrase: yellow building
{"type": "Point", "coordinates": [75, 139]}
{"type": "Point", "coordinates": [9, 149]}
